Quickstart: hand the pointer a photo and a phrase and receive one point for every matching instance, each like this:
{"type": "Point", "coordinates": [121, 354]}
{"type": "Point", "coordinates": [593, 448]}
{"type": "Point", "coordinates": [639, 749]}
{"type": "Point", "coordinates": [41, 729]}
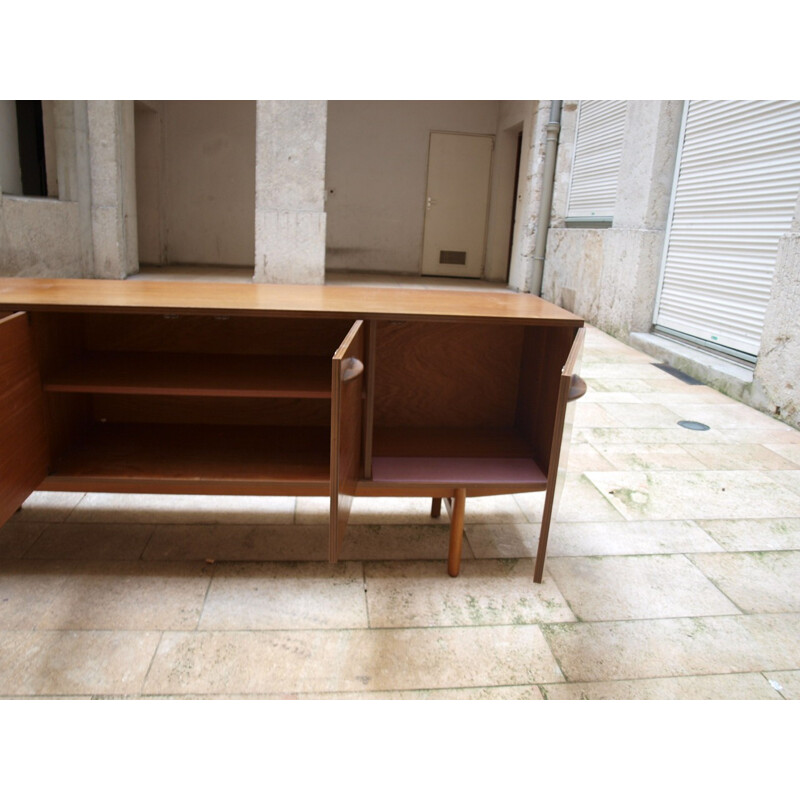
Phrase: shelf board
{"type": "Point", "coordinates": [193, 374]}
{"type": "Point", "coordinates": [484, 460]}
{"type": "Point", "coordinates": [212, 459]}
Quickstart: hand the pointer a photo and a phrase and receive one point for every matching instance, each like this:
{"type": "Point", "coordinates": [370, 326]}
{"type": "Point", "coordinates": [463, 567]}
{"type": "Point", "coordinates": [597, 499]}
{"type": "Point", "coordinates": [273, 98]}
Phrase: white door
{"type": "Point", "coordinates": [457, 204]}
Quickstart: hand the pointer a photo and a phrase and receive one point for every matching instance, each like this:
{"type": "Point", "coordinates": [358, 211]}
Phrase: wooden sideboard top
{"type": "Point", "coordinates": [23, 294]}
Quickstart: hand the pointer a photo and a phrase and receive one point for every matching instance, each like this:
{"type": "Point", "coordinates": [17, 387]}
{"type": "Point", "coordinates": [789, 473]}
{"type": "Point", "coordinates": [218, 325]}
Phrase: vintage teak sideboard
{"type": "Point", "coordinates": [240, 389]}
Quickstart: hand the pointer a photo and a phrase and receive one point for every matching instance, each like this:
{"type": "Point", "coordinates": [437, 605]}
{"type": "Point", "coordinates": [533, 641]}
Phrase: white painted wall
{"type": "Point", "coordinates": [196, 177]}
{"type": "Point", "coordinates": [376, 170]}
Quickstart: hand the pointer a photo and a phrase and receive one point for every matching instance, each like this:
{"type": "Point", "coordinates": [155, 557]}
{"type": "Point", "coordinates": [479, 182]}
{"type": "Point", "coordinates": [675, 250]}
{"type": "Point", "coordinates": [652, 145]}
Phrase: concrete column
{"type": "Point", "coordinates": [777, 372]}
{"type": "Point", "coordinates": [112, 178]}
{"type": "Point", "coordinates": [530, 189]}
{"type": "Point", "coordinates": [290, 191]}
{"type": "Point", "coordinates": [610, 276]}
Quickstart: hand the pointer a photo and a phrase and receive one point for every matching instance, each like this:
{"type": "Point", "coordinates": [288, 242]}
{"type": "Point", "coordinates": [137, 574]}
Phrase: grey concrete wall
{"type": "Point", "coordinates": [777, 372]}
{"type": "Point", "coordinates": [376, 177]}
{"type": "Point", "coordinates": [195, 174]}
{"type": "Point", "coordinates": [290, 191]}
{"type": "Point", "coordinates": [90, 230]}
{"type": "Point", "coordinates": [112, 175]}
{"type": "Point", "coordinates": [529, 193]}
{"type": "Point", "coordinates": [41, 237]}
{"type": "Point", "coordinates": [610, 276]}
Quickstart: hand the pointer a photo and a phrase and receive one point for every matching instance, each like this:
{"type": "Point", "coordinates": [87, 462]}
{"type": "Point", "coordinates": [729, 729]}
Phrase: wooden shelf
{"type": "Point", "coordinates": [209, 459]}
{"type": "Point", "coordinates": [448, 457]}
{"type": "Point", "coordinates": [192, 374]}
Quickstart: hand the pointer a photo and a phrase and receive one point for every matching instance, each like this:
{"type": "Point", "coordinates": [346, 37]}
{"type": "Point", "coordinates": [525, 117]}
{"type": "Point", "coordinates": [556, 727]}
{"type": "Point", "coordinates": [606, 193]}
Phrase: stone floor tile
{"type": "Point", "coordinates": [765, 582]}
{"type": "Point", "coordinates": [634, 386]}
{"type": "Point", "coordinates": [621, 370]}
{"type": "Point", "coordinates": [503, 541]}
{"type": "Point", "coordinates": [788, 451]}
{"type": "Point", "coordinates": [372, 511]}
{"type": "Point", "coordinates": [754, 534]}
{"type": "Point", "coordinates": [399, 542]}
{"type": "Point", "coordinates": [183, 509]}
{"type": "Point", "coordinates": [585, 457]}
{"type": "Point", "coordinates": [17, 537]}
{"type": "Point", "coordinates": [91, 541]}
{"type": "Point", "coordinates": [766, 436]}
{"type": "Point", "coordinates": [787, 478]}
{"type": "Point", "coordinates": [636, 587]}
{"type": "Point", "coordinates": [593, 415]}
{"type": "Point", "coordinates": [238, 543]}
{"type": "Point", "coordinates": [597, 394]}
{"type": "Point", "coordinates": [264, 662]}
{"type": "Point", "coordinates": [285, 595]}
{"type": "Point", "coordinates": [486, 592]}
{"type": "Point", "coordinates": [786, 683]}
{"type": "Point", "coordinates": [673, 435]}
{"type": "Point", "coordinates": [728, 415]}
{"type": "Point", "coordinates": [642, 415]}
{"type": "Point", "coordinates": [744, 686]}
{"type": "Point", "coordinates": [476, 693]}
{"type": "Point", "coordinates": [48, 507]}
{"type": "Point", "coordinates": [592, 539]}
{"type": "Point", "coordinates": [27, 589]}
{"type": "Point", "coordinates": [128, 595]}
{"type": "Point", "coordinates": [639, 456]}
{"type": "Point", "coordinates": [711, 494]}
{"type": "Point", "coordinates": [603, 651]}
{"type": "Point", "coordinates": [675, 395]}
{"type": "Point", "coordinates": [581, 501]}
{"type": "Point", "coordinates": [738, 456]}
{"type": "Point", "coordinates": [86, 663]}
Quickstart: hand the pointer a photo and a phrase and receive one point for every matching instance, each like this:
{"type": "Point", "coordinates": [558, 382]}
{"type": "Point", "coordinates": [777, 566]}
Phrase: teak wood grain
{"type": "Point", "coordinates": [23, 437]}
{"type": "Point", "coordinates": [255, 389]}
{"type": "Point", "coordinates": [352, 302]}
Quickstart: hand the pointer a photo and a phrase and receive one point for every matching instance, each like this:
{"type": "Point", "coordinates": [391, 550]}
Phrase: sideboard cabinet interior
{"type": "Point", "coordinates": [275, 390]}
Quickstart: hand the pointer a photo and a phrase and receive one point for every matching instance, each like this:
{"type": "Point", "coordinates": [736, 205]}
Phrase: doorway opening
{"type": "Point", "coordinates": [195, 183]}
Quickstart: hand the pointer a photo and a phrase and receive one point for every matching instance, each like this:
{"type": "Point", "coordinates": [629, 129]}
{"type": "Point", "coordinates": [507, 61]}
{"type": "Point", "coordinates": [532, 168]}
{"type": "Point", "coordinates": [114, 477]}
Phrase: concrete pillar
{"type": "Point", "coordinates": [777, 372]}
{"type": "Point", "coordinates": [290, 191]}
{"type": "Point", "coordinates": [610, 276]}
{"type": "Point", "coordinates": [112, 188]}
{"type": "Point", "coordinates": [530, 189]}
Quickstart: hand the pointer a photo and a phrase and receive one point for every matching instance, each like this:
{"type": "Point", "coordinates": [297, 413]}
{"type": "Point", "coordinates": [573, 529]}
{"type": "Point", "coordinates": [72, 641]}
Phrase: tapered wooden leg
{"type": "Point", "coordinates": [436, 507]}
{"type": "Point", "coordinates": [456, 533]}
{"type": "Point", "coordinates": [544, 532]}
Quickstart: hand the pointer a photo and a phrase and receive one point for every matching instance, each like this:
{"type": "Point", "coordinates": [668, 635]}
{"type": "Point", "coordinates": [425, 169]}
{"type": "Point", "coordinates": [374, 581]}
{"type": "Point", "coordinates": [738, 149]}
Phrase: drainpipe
{"type": "Point", "coordinates": [546, 205]}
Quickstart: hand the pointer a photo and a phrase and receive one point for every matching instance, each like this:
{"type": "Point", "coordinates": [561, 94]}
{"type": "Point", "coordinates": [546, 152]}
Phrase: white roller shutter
{"type": "Point", "coordinates": [595, 165]}
{"type": "Point", "coordinates": [735, 194]}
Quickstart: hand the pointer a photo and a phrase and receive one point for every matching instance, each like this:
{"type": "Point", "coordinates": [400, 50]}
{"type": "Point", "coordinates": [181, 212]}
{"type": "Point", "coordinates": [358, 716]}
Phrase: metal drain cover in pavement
{"type": "Point", "coordinates": [693, 426]}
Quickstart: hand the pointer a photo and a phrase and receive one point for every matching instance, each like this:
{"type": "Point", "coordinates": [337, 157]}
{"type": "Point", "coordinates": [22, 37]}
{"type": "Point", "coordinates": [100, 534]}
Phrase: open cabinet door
{"type": "Point", "coordinates": [346, 423]}
{"type": "Point", "coordinates": [23, 438]}
{"type": "Point", "coordinates": [571, 387]}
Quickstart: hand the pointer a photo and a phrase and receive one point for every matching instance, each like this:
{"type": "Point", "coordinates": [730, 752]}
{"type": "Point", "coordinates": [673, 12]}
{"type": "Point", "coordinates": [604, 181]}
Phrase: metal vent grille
{"type": "Point", "coordinates": [453, 257]}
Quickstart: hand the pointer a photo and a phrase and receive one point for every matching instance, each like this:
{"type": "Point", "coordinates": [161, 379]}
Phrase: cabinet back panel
{"type": "Point", "coordinates": [208, 334]}
{"type": "Point", "coordinates": [446, 374]}
{"type": "Point", "coordinates": [211, 410]}
{"type": "Point", "coordinates": [544, 354]}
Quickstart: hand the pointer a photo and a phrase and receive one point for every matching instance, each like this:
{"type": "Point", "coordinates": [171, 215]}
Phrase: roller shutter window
{"type": "Point", "coordinates": [595, 167]}
{"type": "Point", "coordinates": [735, 194]}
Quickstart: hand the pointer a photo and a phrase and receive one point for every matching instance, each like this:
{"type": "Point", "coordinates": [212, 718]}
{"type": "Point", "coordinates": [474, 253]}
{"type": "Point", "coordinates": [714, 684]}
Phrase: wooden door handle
{"type": "Point", "coordinates": [352, 368]}
{"type": "Point", "coordinates": [577, 388]}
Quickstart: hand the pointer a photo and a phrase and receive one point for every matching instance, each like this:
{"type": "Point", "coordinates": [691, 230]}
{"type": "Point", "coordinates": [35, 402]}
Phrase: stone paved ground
{"type": "Point", "coordinates": [673, 572]}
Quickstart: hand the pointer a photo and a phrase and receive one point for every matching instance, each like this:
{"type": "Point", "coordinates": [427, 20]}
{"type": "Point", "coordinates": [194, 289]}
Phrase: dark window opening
{"type": "Point", "coordinates": [30, 137]}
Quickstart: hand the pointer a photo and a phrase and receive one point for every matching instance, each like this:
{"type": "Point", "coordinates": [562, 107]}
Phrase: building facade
{"type": "Point", "coordinates": [672, 225]}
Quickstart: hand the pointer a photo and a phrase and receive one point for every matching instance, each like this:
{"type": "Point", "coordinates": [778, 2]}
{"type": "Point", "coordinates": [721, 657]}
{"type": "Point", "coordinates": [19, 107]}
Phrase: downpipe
{"type": "Point", "coordinates": [553, 129]}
